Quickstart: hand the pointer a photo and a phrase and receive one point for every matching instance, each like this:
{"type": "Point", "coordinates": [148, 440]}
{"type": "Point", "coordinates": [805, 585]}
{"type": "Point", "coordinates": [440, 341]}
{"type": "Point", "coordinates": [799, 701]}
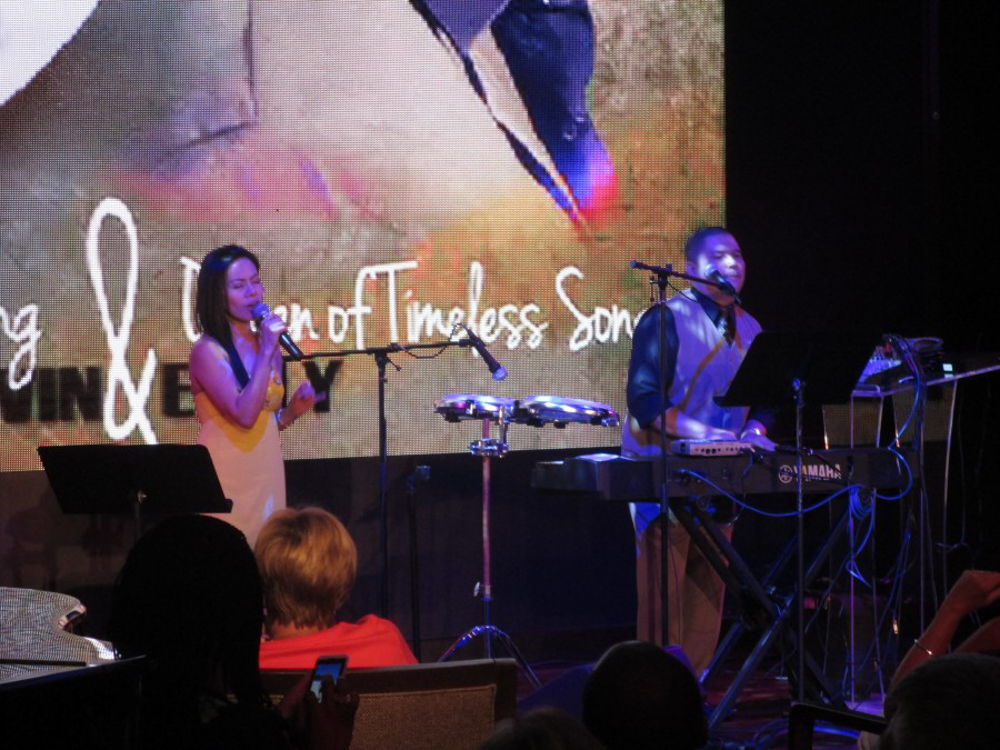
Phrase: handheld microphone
{"type": "Point", "coordinates": [261, 311]}
{"type": "Point", "coordinates": [496, 369]}
{"type": "Point", "coordinates": [723, 283]}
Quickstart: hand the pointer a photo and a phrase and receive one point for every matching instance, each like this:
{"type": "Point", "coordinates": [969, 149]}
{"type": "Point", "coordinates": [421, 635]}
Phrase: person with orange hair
{"type": "Point", "coordinates": [308, 564]}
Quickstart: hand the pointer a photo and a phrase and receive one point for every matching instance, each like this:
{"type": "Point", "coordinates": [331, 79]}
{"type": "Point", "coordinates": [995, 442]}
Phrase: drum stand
{"type": "Point", "coordinates": [487, 448]}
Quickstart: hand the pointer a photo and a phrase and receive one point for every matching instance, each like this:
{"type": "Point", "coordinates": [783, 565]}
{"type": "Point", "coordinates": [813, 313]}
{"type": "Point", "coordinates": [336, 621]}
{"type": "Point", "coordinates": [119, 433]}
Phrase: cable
{"type": "Point", "coordinates": [909, 356]}
{"type": "Point", "coordinates": [743, 504]}
{"type": "Point", "coordinates": [909, 477]}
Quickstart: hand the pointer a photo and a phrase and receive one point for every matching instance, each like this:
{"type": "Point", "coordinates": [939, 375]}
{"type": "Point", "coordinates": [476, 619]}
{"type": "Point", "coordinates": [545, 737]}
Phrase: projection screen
{"type": "Point", "coordinates": [399, 167]}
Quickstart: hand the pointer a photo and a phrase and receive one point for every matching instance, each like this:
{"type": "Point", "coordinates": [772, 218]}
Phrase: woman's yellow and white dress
{"type": "Point", "coordinates": [247, 460]}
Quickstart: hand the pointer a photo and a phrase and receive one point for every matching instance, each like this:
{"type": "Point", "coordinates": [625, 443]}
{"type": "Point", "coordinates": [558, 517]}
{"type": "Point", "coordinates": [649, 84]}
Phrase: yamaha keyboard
{"type": "Point", "coordinates": [612, 477]}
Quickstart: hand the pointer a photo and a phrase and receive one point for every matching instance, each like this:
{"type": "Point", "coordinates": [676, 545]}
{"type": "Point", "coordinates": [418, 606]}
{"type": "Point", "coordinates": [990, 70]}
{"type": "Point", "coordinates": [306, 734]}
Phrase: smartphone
{"type": "Point", "coordinates": [326, 665]}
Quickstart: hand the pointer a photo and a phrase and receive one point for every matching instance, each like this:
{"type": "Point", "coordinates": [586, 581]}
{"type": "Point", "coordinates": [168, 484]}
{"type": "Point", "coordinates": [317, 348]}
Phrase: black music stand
{"type": "Point", "coordinates": [134, 479]}
{"type": "Point", "coordinates": [831, 365]}
{"type": "Point", "coordinates": [799, 368]}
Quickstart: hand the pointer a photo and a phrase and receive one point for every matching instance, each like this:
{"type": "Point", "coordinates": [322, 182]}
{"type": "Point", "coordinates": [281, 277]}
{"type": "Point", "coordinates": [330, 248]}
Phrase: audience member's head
{"type": "Point", "coordinates": [308, 563]}
{"type": "Point", "coordinates": [948, 701]}
{"type": "Point", "coordinates": [639, 697]}
{"type": "Point", "coordinates": [542, 729]}
{"type": "Point", "coordinates": [189, 598]}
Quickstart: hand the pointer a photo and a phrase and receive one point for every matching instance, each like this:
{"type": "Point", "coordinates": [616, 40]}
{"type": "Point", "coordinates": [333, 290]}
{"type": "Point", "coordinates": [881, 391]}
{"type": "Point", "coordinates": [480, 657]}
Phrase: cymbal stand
{"type": "Point", "coordinates": [487, 448]}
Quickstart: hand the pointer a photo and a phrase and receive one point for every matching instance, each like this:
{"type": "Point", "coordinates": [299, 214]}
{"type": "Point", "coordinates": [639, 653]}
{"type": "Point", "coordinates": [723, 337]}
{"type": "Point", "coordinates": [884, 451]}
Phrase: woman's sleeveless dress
{"type": "Point", "coordinates": [248, 461]}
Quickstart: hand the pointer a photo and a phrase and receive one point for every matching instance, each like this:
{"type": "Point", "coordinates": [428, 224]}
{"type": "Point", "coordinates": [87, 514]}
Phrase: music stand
{"type": "Point", "coordinates": [831, 365]}
{"type": "Point", "coordinates": [133, 479]}
{"type": "Point", "coordinates": [790, 367]}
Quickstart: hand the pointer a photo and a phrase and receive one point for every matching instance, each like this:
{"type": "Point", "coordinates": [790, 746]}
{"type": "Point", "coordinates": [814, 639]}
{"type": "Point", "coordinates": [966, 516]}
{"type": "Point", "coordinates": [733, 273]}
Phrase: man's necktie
{"type": "Point", "coordinates": [728, 323]}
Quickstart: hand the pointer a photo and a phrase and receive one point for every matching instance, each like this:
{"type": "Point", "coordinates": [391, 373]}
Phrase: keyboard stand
{"type": "Point", "coordinates": [759, 611]}
{"type": "Point", "coordinates": [738, 628]}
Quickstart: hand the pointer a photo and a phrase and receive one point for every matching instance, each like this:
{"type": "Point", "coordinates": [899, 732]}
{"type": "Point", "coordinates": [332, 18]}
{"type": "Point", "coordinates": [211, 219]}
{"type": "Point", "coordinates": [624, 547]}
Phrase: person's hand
{"type": "Point", "coordinates": [302, 400]}
{"type": "Point", "coordinates": [330, 722]}
{"type": "Point", "coordinates": [973, 590]}
{"type": "Point", "coordinates": [758, 441]}
{"type": "Point", "coordinates": [271, 328]}
{"type": "Point", "coordinates": [716, 433]}
{"type": "Point", "coordinates": [327, 724]}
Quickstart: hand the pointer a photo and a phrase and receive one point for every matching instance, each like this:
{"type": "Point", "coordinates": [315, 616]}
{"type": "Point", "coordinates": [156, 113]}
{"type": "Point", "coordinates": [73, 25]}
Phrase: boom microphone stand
{"type": "Point", "coordinates": [380, 354]}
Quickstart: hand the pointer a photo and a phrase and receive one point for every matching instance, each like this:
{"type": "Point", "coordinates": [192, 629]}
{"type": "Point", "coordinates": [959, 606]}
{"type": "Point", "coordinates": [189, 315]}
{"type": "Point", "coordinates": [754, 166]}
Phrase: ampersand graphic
{"type": "Point", "coordinates": [118, 372]}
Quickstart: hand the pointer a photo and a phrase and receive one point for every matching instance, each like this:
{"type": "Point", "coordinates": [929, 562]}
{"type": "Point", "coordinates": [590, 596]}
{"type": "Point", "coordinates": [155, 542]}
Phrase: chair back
{"type": "Point", "coordinates": [438, 706]}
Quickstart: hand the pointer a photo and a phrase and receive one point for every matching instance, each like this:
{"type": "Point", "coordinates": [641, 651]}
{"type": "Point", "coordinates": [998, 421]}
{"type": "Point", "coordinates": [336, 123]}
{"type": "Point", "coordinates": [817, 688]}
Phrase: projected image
{"type": "Point", "coordinates": [398, 167]}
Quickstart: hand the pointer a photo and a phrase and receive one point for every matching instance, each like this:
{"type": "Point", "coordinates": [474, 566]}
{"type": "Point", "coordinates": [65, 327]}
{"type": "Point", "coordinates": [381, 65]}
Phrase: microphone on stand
{"type": "Point", "coordinates": [723, 283]}
{"type": "Point", "coordinates": [496, 369]}
{"type": "Point", "coordinates": [261, 311]}
{"type": "Point", "coordinates": [660, 270]}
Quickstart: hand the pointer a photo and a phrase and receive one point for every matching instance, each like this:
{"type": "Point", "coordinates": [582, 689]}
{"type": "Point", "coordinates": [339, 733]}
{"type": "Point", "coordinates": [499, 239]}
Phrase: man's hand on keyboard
{"type": "Point", "coordinates": [758, 441]}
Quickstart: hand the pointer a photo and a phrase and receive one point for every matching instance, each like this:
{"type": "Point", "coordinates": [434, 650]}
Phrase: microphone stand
{"type": "Point", "coordinates": [661, 276]}
{"type": "Point", "coordinates": [798, 388]}
{"type": "Point", "coordinates": [381, 357]}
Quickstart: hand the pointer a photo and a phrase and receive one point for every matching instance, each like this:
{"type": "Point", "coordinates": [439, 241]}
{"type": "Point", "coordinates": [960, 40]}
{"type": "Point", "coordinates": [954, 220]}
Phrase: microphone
{"type": "Point", "coordinates": [723, 283]}
{"type": "Point", "coordinates": [496, 369]}
{"type": "Point", "coordinates": [261, 311]}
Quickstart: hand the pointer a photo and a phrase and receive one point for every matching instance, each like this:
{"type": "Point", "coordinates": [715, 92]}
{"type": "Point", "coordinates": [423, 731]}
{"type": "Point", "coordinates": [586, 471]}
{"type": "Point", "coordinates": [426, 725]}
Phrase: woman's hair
{"type": "Point", "coordinates": [189, 598]}
{"type": "Point", "coordinates": [308, 563]}
{"type": "Point", "coordinates": [211, 302]}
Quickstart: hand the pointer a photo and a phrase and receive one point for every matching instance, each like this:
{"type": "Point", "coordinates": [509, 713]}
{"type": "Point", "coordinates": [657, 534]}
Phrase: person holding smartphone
{"type": "Point", "coordinates": [308, 563]}
{"type": "Point", "coordinates": [188, 598]}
